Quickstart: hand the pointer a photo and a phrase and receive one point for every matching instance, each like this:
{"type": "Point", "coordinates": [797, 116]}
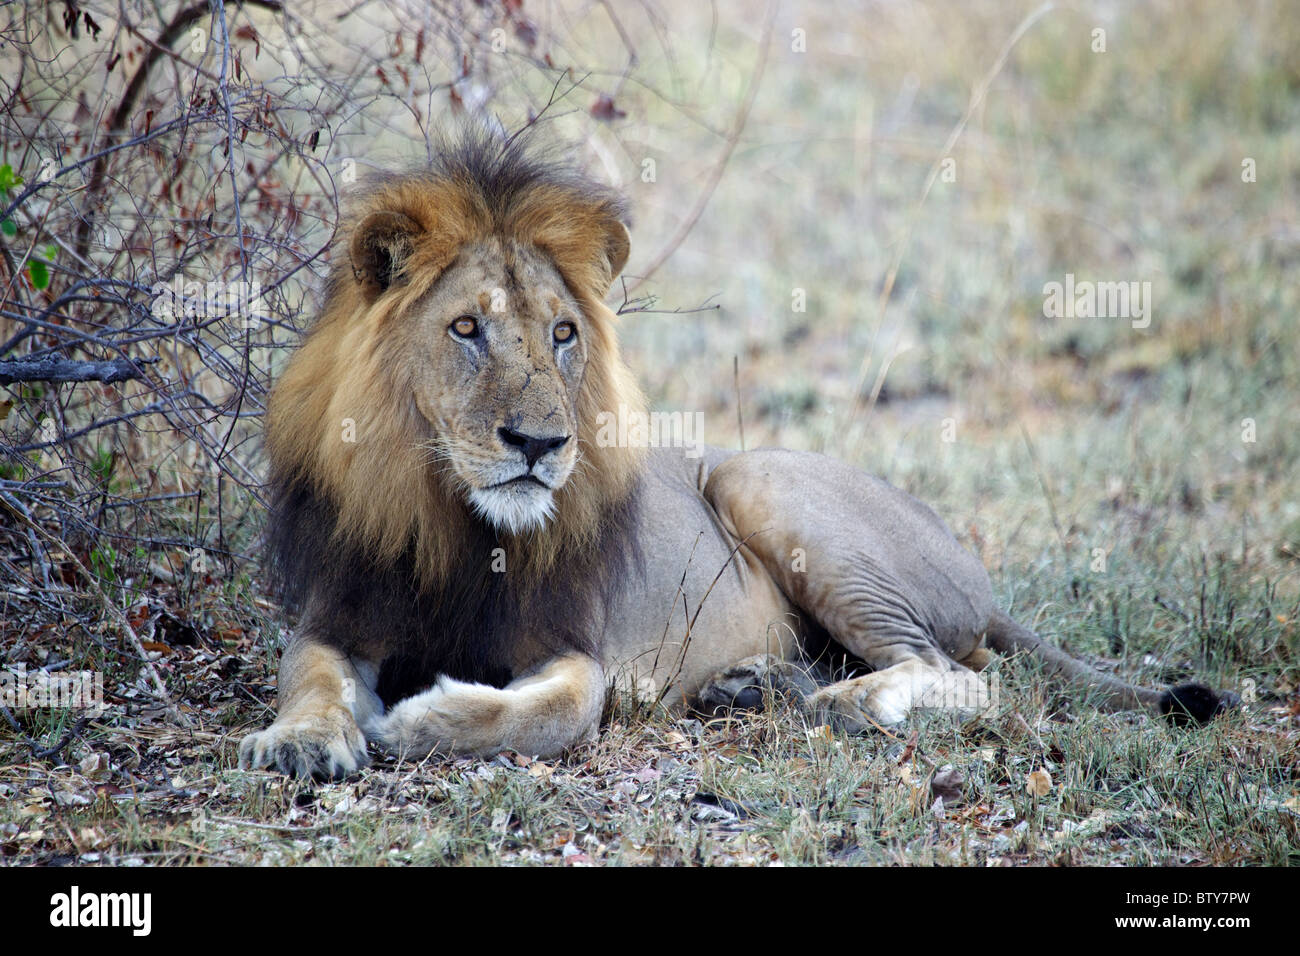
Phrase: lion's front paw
{"type": "Point", "coordinates": [323, 747]}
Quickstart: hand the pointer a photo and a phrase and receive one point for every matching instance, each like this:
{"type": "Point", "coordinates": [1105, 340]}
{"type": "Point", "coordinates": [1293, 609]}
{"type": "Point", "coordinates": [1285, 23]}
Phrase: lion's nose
{"type": "Point", "coordinates": [532, 446]}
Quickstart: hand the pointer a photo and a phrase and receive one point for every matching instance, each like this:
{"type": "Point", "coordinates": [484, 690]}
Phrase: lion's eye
{"type": "Point", "coordinates": [565, 331]}
{"type": "Point", "coordinates": [466, 326]}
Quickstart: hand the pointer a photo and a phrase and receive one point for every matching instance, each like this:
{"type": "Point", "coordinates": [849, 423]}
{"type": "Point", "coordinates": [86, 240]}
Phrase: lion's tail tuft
{"type": "Point", "coordinates": [1183, 705]}
{"type": "Point", "coordinates": [1195, 704]}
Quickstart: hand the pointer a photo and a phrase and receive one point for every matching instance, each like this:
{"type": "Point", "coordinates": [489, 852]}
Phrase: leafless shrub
{"type": "Point", "coordinates": [170, 184]}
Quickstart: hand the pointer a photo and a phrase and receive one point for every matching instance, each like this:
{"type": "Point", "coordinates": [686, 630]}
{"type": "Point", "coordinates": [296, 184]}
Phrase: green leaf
{"type": "Point", "coordinates": [40, 275]}
{"type": "Point", "coordinates": [9, 227]}
{"type": "Point", "coordinates": [102, 465]}
{"type": "Point", "coordinates": [8, 178]}
{"type": "Point", "coordinates": [103, 561]}
{"type": "Point", "coordinates": [51, 251]}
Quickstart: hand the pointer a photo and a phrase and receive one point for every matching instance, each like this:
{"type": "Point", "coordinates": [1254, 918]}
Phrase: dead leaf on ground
{"type": "Point", "coordinates": [950, 785]}
{"type": "Point", "coordinates": [1038, 783]}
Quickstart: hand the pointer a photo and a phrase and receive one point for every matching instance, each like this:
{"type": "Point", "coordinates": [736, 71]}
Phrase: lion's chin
{"type": "Point", "coordinates": [516, 507]}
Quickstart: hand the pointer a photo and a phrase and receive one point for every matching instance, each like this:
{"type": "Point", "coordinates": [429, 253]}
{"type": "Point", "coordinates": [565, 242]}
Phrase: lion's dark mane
{"type": "Point", "coordinates": [469, 625]}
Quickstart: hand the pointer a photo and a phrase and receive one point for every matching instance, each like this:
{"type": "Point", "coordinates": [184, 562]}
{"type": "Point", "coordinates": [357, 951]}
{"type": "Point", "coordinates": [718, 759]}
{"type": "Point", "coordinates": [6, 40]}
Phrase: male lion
{"type": "Point", "coordinates": [475, 563]}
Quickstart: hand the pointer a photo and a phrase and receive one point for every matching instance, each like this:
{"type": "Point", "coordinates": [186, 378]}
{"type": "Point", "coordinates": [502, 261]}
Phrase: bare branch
{"type": "Point", "coordinates": [69, 370]}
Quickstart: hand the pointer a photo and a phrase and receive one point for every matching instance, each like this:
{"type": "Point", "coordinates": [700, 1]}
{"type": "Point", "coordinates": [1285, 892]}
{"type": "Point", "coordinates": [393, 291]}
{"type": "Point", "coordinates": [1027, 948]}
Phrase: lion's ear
{"type": "Point", "coordinates": [379, 249]}
{"type": "Point", "coordinates": [618, 247]}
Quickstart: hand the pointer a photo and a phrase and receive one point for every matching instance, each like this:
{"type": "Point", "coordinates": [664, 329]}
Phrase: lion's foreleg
{"type": "Point", "coordinates": [539, 715]}
{"type": "Point", "coordinates": [323, 695]}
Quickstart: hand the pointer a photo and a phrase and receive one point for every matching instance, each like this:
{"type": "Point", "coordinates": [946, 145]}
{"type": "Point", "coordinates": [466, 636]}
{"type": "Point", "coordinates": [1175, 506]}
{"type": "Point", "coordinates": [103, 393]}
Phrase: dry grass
{"type": "Point", "coordinates": [1071, 436]}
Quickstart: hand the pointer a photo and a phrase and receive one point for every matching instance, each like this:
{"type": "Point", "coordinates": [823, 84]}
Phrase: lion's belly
{"type": "Point", "coordinates": [699, 603]}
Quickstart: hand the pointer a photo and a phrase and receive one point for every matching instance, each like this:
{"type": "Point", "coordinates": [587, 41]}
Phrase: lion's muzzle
{"type": "Point", "coordinates": [533, 447]}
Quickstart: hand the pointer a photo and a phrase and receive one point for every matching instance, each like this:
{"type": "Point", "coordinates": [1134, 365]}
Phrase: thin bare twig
{"type": "Point", "coordinates": [719, 167]}
{"type": "Point", "coordinates": [977, 97]}
{"type": "Point", "coordinates": [109, 605]}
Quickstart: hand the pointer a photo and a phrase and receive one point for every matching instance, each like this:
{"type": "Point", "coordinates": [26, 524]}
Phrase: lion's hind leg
{"type": "Point", "coordinates": [886, 697]}
{"type": "Point", "coordinates": [879, 699]}
{"type": "Point", "coordinates": [743, 685]}
{"type": "Point", "coordinates": [874, 568]}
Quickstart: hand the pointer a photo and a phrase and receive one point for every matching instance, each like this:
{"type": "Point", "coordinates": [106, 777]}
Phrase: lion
{"type": "Point", "coordinates": [476, 563]}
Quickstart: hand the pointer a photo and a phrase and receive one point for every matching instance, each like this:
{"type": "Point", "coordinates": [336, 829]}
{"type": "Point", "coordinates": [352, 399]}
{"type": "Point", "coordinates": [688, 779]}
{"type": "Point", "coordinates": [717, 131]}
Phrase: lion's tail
{"type": "Point", "coordinates": [1183, 704]}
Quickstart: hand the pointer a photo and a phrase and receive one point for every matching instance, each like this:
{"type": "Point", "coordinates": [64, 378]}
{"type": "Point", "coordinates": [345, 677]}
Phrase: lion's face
{"type": "Point", "coordinates": [461, 365]}
{"type": "Point", "coordinates": [501, 349]}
